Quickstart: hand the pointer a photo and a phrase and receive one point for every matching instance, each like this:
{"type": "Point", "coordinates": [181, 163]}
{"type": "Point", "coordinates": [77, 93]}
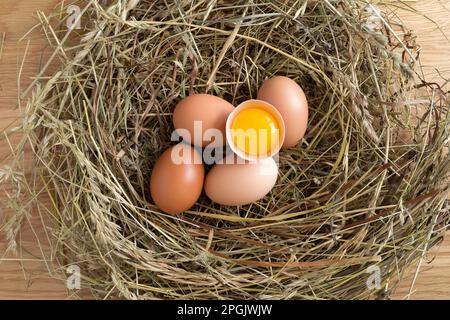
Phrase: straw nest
{"type": "Point", "coordinates": [364, 193]}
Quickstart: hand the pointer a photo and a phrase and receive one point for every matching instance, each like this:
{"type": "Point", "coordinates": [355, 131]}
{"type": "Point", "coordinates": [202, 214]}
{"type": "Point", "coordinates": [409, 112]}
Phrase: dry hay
{"type": "Point", "coordinates": [366, 187]}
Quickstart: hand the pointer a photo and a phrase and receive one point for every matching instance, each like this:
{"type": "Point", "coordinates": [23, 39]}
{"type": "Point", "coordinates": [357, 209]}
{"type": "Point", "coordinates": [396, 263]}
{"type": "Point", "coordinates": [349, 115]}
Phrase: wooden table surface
{"type": "Point", "coordinates": [25, 276]}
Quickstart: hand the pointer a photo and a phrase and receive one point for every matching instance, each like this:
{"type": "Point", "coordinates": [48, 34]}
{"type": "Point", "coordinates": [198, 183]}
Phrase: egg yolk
{"type": "Point", "coordinates": [255, 132]}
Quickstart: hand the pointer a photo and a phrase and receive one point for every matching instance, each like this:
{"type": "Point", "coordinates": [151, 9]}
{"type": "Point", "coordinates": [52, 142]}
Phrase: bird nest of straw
{"type": "Point", "coordinates": [359, 199]}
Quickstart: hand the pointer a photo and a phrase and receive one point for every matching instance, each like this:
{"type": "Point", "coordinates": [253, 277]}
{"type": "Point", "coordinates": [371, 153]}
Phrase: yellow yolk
{"type": "Point", "coordinates": [255, 132]}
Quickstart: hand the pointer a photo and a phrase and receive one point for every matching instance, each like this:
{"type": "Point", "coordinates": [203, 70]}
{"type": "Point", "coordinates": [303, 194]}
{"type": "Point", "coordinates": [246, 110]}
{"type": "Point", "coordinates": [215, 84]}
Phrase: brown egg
{"type": "Point", "coordinates": [290, 100]}
{"type": "Point", "coordinates": [210, 110]}
{"type": "Point", "coordinates": [233, 184]}
{"type": "Point", "coordinates": [177, 179]}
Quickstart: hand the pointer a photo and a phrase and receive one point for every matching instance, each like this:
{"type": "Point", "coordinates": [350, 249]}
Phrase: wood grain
{"type": "Point", "coordinates": [25, 276]}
